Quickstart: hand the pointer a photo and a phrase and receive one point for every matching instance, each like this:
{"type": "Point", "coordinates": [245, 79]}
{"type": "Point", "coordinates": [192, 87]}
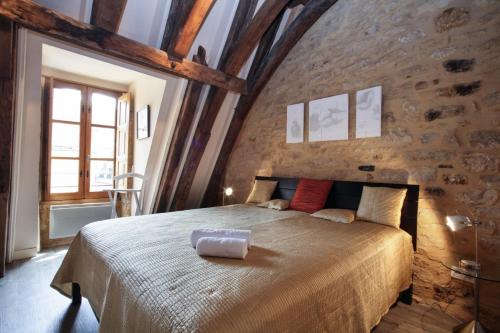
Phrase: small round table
{"type": "Point", "coordinates": [465, 270]}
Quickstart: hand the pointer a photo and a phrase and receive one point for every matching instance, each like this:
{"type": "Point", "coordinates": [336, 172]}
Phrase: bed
{"type": "Point", "coordinates": [302, 274]}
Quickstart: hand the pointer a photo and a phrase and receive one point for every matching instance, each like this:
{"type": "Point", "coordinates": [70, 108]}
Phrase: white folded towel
{"type": "Point", "coordinates": [223, 233]}
{"type": "Point", "coordinates": [222, 247]}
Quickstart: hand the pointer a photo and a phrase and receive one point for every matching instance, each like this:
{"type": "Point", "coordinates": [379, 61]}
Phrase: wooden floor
{"type": "Point", "coordinates": [28, 304]}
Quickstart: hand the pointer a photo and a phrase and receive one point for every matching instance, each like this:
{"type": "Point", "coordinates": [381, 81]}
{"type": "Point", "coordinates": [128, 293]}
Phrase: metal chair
{"type": "Point", "coordinates": [137, 193]}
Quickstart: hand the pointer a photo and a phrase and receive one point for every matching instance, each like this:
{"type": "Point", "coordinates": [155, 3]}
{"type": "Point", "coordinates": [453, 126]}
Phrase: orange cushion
{"type": "Point", "coordinates": [310, 195]}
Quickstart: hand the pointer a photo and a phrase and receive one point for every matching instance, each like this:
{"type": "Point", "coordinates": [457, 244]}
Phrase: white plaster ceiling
{"type": "Point", "coordinates": [143, 20]}
{"type": "Point", "coordinates": [66, 61]}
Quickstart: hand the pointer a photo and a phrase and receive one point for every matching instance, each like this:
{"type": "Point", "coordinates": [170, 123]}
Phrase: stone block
{"type": "Point", "coordinates": [452, 18]}
{"type": "Point", "coordinates": [426, 138]}
{"type": "Point", "coordinates": [459, 89]}
{"type": "Point", "coordinates": [484, 139]}
{"type": "Point", "coordinates": [441, 112]}
{"type": "Point", "coordinates": [479, 162]}
{"type": "Point", "coordinates": [478, 197]}
{"type": "Point", "coordinates": [429, 155]}
{"type": "Point", "coordinates": [394, 175]}
{"type": "Point", "coordinates": [491, 180]}
{"type": "Point", "coordinates": [423, 174]}
{"type": "Point", "coordinates": [492, 99]}
{"type": "Point", "coordinates": [458, 65]}
{"type": "Point", "coordinates": [455, 179]}
{"type": "Point", "coordinates": [435, 191]}
{"type": "Point", "coordinates": [421, 85]}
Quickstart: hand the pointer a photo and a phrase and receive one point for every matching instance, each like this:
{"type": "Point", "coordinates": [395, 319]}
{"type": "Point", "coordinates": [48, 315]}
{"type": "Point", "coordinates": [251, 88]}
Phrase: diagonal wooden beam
{"type": "Point", "coordinates": [237, 54]}
{"type": "Point", "coordinates": [46, 21]}
{"type": "Point", "coordinates": [260, 24]}
{"type": "Point", "coordinates": [241, 19]}
{"type": "Point", "coordinates": [213, 191]}
{"type": "Point", "coordinates": [179, 139]}
{"type": "Point", "coordinates": [188, 32]}
{"type": "Point", "coordinates": [107, 14]}
{"type": "Point", "coordinates": [184, 22]}
{"type": "Point", "coordinates": [177, 17]}
{"type": "Point", "coordinates": [266, 68]}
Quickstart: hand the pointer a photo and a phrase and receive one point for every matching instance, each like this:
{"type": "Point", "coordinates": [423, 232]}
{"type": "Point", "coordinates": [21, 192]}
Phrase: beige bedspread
{"type": "Point", "coordinates": [303, 274]}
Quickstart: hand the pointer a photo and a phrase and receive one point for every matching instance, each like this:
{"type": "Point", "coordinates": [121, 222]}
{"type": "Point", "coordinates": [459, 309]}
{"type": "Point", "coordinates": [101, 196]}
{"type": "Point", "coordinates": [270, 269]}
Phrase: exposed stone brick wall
{"type": "Point", "coordinates": [439, 65]}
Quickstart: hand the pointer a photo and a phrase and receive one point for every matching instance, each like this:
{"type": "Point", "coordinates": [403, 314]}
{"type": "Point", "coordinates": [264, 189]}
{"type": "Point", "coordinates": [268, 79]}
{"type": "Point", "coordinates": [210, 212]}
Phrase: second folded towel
{"type": "Point", "coordinates": [221, 233]}
{"type": "Point", "coordinates": [222, 247]}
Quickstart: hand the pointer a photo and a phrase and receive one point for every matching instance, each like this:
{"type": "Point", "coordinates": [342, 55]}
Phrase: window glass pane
{"type": "Point", "coordinates": [65, 140]}
{"type": "Point", "coordinates": [101, 175]}
{"type": "Point", "coordinates": [64, 176]}
{"type": "Point", "coordinates": [102, 142]}
{"type": "Point", "coordinates": [122, 116]}
{"type": "Point", "coordinates": [66, 104]}
{"type": "Point", "coordinates": [103, 109]}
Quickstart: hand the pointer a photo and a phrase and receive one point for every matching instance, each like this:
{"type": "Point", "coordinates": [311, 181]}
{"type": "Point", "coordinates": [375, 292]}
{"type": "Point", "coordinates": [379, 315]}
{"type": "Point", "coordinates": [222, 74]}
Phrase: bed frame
{"type": "Point", "coordinates": [345, 195]}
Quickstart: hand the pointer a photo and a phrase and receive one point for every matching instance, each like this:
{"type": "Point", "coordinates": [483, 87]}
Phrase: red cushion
{"type": "Point", "coordinates": [310, 195]}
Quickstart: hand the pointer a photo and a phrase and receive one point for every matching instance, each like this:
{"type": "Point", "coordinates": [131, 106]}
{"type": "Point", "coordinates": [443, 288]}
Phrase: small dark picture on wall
{"type": "Point", "coordinates": [143, 123]}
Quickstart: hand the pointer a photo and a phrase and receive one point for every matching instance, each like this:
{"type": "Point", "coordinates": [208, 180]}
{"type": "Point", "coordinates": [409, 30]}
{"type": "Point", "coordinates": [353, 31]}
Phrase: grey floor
{"type": "Point", "coordinates": [28, 304]}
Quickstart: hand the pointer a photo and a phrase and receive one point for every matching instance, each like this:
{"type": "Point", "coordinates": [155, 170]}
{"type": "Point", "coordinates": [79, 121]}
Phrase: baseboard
{"type": "Point", "coordinates": [24, 253]}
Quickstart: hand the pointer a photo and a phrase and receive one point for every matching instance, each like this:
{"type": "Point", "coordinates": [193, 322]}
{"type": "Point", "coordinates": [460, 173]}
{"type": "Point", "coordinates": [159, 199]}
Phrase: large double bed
{"type": "Point", "coordinates": [302, 273]}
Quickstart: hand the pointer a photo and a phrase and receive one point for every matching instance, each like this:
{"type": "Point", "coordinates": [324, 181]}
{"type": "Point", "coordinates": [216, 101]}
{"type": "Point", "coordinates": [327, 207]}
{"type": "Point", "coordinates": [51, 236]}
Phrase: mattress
{"type": "Point", "coordinates": [302, 274]}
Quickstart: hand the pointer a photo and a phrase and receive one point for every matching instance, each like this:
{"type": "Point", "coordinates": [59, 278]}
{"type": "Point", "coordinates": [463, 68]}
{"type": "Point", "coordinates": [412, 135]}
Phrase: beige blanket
{"type": "Point", "coordinates": [303, 274]}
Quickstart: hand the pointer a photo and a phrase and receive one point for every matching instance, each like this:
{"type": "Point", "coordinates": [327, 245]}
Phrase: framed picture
{"type": "Point", "coordinates": [143, 123]}
{"type": "Point", "coordinates": [329, 118]}
{"type": "Point", "coordinates": [295, 123]}
{"type": "Point", "coordinates": [369, 112]}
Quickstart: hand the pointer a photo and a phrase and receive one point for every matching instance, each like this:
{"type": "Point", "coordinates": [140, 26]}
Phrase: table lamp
{"type": "Point", "coordinates": [228, 191]}
{"type": "Point", "coordinates": [456, 223]}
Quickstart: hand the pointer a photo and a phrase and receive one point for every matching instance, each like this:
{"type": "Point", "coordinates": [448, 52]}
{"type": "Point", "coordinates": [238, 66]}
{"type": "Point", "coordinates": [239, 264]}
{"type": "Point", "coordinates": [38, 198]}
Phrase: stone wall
{"type": "Point", "coordinates": [439, 65]}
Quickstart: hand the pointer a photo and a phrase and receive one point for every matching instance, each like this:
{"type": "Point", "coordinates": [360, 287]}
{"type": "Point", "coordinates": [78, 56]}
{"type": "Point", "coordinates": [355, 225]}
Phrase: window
{"type": "Point", "coordinates": [81, 136]}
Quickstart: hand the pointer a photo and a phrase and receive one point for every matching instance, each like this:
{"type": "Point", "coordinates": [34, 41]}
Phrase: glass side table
{"type": "Point", "coordinates": [472, 273]}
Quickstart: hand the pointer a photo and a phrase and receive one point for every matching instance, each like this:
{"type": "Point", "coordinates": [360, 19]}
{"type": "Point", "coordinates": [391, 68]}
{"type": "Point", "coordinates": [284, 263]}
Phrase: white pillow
{"type": "Point", "coordinates": [262, 191]}
{"type": "Point", "coordinates": [381, 205]}
{"type": "Point", "coordinates": [336, 215]}
{"type": "Point", "coordinates": [278, 204]}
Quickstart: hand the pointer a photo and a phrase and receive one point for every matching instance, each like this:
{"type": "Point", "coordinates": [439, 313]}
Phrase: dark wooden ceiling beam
{"type": "Point", "coordinates": [214, 190]}
{"type": "Point", "coordinates": [245, 45]}
{"type": "Point", "coordinates": [46, 21]}
{"type": "Point", "coordinates": [192, 26]}
{"type": "Point", "coordinates": [179, 139]}
{"type": "Point", "coordinates": [184, 22]}
{"type": "Point", "coordinates": [107, 14]}
{"type": "Point", "coordinates": [238, 52]}
{"type": "Point", "coordinates": [266, 68]}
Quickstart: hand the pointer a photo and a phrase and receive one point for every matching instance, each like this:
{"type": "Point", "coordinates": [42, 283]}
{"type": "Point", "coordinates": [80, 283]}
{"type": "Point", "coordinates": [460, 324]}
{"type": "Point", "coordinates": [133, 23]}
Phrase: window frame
{"type": "Point", "coordinates": [84, 158]}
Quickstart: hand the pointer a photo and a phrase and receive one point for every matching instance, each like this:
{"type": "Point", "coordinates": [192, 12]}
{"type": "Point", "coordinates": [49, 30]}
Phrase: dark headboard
{"type": "Point", "coordinates": [347, 194]}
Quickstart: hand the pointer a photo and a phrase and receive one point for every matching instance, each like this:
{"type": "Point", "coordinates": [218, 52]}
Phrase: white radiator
{"type": "Point", "coordinates": [67, 220]}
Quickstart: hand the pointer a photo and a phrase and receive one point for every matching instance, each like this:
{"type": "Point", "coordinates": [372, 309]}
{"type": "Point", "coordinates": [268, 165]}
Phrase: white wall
{"type": "Point", "coordinates": [146, 91]}
{"type": "Point", "coordinates": [145, 21]}
{"type": "Point", "coordinates": [77, 9]}
{"type": "Point", "coordinates": [47, 71]}
{"type": "Point", "coordinates": [24, 212]}
{"type": "Point", "coordinates": [24, 235]}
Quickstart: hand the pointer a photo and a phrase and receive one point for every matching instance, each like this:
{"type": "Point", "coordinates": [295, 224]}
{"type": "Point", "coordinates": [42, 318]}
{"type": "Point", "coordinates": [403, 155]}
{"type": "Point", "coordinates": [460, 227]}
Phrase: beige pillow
{"type": "Point", "coordinates": [278, 204]}
{"type": "Point", "coordinates": [381, 205]}
{"type": "Point", "coordinates": [262, 191]}
{"type": "Point", "coordinates": [336, 215]}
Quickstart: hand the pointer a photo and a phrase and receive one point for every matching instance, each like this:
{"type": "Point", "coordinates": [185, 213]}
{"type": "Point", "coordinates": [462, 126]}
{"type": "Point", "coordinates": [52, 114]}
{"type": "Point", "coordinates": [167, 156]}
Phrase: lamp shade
{"type": "Point", "coordinates": [457, 222]}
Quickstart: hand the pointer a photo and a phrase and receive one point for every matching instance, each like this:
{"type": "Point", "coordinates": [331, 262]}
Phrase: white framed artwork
{"type": "Point", "coordinates": [369, 112]}
{"type": "Point", "coordinates": [329, 118]}
{"type": "Point", "coordinates": [295, 123]}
